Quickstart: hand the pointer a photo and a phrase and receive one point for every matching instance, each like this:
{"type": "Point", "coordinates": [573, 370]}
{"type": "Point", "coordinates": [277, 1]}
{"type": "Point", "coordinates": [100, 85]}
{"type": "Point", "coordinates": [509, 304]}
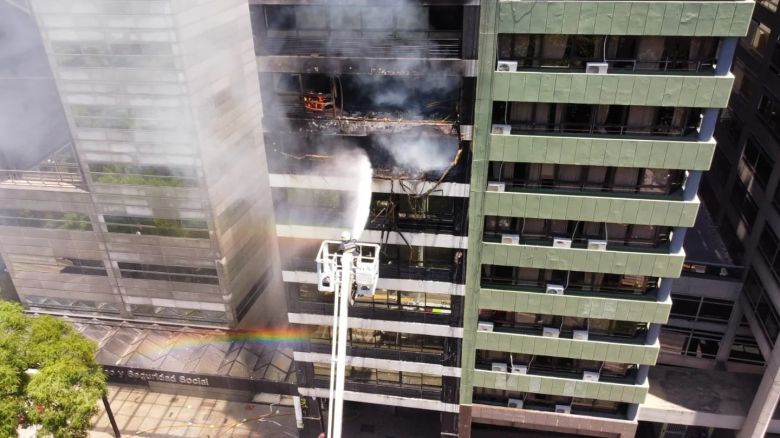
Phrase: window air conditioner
{"type": "Point", "coordinates": [484, 326]}
{"type": "Point", "coordinates": [501, 129]}
{"type": "Point", "coordinates": [506, 66]}
{"type": "Point", "coordinates": [562, 409]}
{"type": "Point", "coordinates": [496, 186]}
{"type": "Point", "coordinates": [580, 335]}
{"type": "Point", "coordinates": [515, 403]}
{"type": "Point", "coordinates": [555, 289]}
{"type": "Point", "coordinates": [519, 369]}
{"type": "Point", "coordinates": [498, 366]}
{"type": "Point", "coordinates": [550, 332]}
{"type": "Point", "coordinates": [597, 245]}
{"type": "Point", "coordinates": [590, 376]}
{"type": "Point", "coordinates": [510, 239]}
{"type": "Point", "coordinates": [596, 68]}
{"type": "Point", "coordinates": [561, 243]}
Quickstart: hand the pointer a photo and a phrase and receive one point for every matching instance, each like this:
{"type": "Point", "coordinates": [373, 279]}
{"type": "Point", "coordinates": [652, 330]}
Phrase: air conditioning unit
{"type": "Point", "coordinates": [561, 243]}
{"type": "Point", "coordinates": [484, 326]}
{"type": "Point", "coordinates": [501, 129]}
{"type": "Point", "coordinates": [550, 332]}
{"type": "Point", "coordinates": [562, 409]}
{"type": "Point", "coordinates": [496, 186]}
{"type": "Point", "coordinates": [590, 376]}
{"type": "Point", "coordinates": [510, 239]}
{"type": "Point", "coordinates": [580, 335]}
{"type": "Point", "coordinates": [498, 366]}
{"type": "Point", "coordinates": [555, 289]}
{"type": "Point", "coordinates": [597, 245]}
{"type": "Point", "coordinates": [596, 68]}
{"type": "Point", "coordinates": [519, 369]}
{"type": "Point", "coordinates": [506, 66]}
{"type": "Point", "coordinates": [515, 403]}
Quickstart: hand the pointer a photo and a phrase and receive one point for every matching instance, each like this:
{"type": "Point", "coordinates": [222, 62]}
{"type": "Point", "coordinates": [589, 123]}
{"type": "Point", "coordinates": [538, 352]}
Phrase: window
{"type": "Point", "coordinates": [769, 111]}
{"type": "Point", "coordinates": [769, 4]}
{"type": "Point", "coordinates": [125, 174]}
{"type": "Point", "coordinates": [157, 226]}
{"type": "Point", "coordinates": [757, 36]}
{"type": "Point", "coordinates": [755, 164]}
{"type": "Point", "coordinates": [177, 313]}
{"type": "Point", "coordinates": [769, 245]}
{"type": "Point", "coordinates": [543, 231]}
{"type": "Point", "coordinates": [745, 205]}
{"type": "Point", "coordinates": [695, 308]}
{"type": "Point", "coordinates": [587, 178]}
{"type": "Point", "coordinates": [597, 119]}
{"type": "Point", "coordinates": [45, 219]}
{"type": "Point", "coordinates": [56, 265]}
{"type": "Point", "coordinates": [762, 305]}
{"type": "Point", "coordinates": [731, 124]}
{"type": "Point", "coordinates": [183, 274]}
{"type": "Point", "coordinates": [744, 85]}
{"type": "Point", "coordinates": [254, 293]}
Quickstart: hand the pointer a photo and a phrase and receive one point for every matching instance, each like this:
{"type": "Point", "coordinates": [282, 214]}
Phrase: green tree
{"type": "Point", "coordinates": [62, 396]}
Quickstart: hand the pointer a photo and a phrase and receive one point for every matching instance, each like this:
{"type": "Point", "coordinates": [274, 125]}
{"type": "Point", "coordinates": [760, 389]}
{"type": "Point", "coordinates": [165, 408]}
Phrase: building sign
{"type": "Point", "coordinates": [142, 376]}
{"type": "Point", "coordinates": [122, 374]}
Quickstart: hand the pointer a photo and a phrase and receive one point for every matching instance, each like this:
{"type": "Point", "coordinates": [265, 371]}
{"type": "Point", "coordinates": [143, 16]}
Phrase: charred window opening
{"type": "Point", "coordinates": [416, 153]}
{"type": "Point", "coordinates": [396, 261]}
{"type": "Point", "coordinates": [622, 120]}
{"type": "Point", "coordinates": [632, 53]}
{"type": "Point", "coordinates": [365, 97]}
{"type": "Point", "coordinates": [430, 214]}
{"type": "Point", "coordinates": [573, 178]}
{"type": "Point", "coordinates": [359, 31]}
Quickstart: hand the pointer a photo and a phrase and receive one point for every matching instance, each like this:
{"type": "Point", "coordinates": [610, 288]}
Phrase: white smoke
{"type": "Point", "coordinates": [362, 204]}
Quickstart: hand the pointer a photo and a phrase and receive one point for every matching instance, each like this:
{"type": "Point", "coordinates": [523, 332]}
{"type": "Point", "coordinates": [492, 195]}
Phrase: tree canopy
{"type": "Point", "coordinates": [62, 396]}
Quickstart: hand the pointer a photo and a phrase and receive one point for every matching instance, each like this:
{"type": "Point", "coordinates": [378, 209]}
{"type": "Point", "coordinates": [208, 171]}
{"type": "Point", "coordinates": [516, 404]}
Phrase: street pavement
{"type": "Point", "coordinates": [142, 413]}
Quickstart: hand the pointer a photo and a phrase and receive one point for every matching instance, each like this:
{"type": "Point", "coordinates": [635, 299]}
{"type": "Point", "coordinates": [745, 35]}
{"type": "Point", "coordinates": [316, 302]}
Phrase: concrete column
{"type": "Point", "coordinates": [664, 289]}
{"type": "Point", "coordinates": [691, 185]}
{"type": "Point", "coordinates": [464, 421]}
{"type": "Point", "coordinates": [678, 238]}
{"type": "Point", "coordinates": [708, 122]}
{"type": "Point", "coordinates": [724, 349]}
{"type": "Point", "coordinates": [726, 55]}
{"type": "Point", "coordinates": [652, 334]}
{"type": "Point", "coordinates": [765, 401]}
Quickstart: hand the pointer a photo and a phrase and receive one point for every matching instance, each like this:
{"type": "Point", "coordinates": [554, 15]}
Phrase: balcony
{"type": "Point", "coordinates": [605, 349]}
{"type": "Point", "coordinates": [702, 18]}
{"type": "Point", "coordinates": [618, 152]}
{"type": "Point", "coordinates": [616, 392]}
{"type": "Point", "coordinates": [576, 259]}
{"type": "Point", "coordinates": [397, 270]}
{"type": "Point", "coordinates": [592, 208]}
{"type": "Point", "coordinates": [391, 390]}
{"type": "Point", "coordinates": [628, 379]}
{"type": "Point", "coordinates": [387, 354]}
{"type": "Point", "coordinates": [576, 303]}
{"type": "Point", "coordinates": [366, 46]}
{"type": "Point", "coordinates": [614, 89]}
{"type": "Point", "coordinates": [425, 316]}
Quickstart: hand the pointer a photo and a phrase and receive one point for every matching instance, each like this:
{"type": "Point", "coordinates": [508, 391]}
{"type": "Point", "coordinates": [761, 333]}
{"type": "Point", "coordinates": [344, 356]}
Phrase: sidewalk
{"type": "Point", "coordinates": [141, 413]}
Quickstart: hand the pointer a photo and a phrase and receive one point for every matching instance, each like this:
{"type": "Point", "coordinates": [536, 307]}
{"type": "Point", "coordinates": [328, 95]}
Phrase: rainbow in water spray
{"type": "Point", "coordinates": [261, 336]}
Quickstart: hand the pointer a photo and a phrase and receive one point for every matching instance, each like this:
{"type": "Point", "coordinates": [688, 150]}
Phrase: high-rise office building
{"type": "Point", "coordinates": [741, 191]}
{"type": "Point", "coordinates": [535, 167]}
{"type": "Point", "coordinates": [602, 118]}
{"type": "Point", "coordinates": [160, 207]}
